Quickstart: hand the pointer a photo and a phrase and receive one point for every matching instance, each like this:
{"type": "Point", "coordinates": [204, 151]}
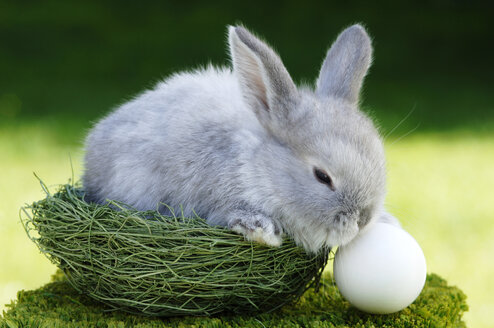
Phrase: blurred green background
{"type": "Point", "coordinates": [64, 64]}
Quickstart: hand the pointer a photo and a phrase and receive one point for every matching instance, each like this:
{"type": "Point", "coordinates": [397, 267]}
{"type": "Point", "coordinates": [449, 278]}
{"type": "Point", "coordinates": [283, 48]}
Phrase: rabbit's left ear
{"type": "Point", "coordinates": [264, 80]}
{"type": "Point", "coordinates": [346, 64]}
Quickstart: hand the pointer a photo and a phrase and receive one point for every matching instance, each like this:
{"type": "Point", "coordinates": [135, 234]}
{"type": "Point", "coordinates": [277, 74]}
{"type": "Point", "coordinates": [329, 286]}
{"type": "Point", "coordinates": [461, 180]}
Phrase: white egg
{"type": "Point", "coordinates": [382, 270]}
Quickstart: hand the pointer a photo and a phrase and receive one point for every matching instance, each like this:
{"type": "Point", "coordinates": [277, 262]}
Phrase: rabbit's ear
{"type": "Point", "coordinates": [346, 64]}
{"type": "Point", "coordinates": [264, 80]}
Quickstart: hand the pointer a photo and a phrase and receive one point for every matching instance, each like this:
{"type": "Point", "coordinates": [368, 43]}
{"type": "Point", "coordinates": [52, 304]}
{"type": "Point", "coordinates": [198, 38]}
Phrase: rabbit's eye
{"type": "Point", "coordinates": [323, 177]}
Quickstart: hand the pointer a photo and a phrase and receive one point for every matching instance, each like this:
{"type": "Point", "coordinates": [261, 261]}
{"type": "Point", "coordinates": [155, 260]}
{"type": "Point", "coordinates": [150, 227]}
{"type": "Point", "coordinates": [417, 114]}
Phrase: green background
{"type": "Point", "coordinates": [64, 64]}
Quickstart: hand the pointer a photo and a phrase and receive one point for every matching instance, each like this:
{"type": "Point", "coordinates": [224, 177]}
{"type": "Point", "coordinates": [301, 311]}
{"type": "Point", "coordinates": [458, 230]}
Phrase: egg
{"type": "Point", "coordinates": [380, 271]}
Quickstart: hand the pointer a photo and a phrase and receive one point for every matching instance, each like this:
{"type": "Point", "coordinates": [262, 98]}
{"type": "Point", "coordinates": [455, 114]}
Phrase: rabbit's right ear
{"type": "Point", "coordinates": [346, 64]}
{"type": "Point", "coordinates": [264, 81]}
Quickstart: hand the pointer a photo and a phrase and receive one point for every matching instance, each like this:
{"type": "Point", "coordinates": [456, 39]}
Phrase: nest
{"type": "Point", "coordinates": [144, 262]}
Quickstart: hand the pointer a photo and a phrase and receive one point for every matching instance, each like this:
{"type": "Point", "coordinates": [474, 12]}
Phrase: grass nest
{"type": "Point", "coordinates": [147, 263]}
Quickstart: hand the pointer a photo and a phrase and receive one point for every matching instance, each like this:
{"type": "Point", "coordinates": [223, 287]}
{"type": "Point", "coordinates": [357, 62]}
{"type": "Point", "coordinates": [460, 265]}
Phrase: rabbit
{"type": "Point", "coordinates": [245, 148]}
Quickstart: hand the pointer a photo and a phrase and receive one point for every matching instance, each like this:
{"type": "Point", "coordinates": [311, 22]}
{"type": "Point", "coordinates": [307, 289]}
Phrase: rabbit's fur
{"type": "Point", "coordinates": [239, 147]}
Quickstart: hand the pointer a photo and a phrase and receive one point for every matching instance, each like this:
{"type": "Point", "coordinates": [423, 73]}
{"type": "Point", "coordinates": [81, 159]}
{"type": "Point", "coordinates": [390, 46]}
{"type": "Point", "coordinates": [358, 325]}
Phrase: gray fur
{"type": "Point", "coordinates": [346, 64]}
{"type": "Point", "coordinates": [238, 147]}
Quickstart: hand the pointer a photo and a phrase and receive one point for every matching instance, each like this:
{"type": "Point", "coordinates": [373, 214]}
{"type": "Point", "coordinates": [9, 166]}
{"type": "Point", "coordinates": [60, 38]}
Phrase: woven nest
{"type": "Point", "coordinates": [144, 262]}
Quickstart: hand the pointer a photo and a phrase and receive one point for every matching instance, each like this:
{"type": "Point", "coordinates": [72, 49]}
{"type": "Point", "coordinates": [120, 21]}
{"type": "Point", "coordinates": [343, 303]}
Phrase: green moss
{"type": "Point", "coordinates": [57, 304]}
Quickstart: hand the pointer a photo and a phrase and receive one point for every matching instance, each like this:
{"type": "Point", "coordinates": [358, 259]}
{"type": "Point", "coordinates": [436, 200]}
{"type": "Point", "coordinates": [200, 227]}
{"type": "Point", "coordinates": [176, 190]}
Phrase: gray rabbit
{"type": "Point", "coordinates": [245, 148]}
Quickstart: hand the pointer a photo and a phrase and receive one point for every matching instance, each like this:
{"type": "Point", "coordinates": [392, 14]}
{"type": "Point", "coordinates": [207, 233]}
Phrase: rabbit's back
{"type": "Point", "coordinates": [181, 143]}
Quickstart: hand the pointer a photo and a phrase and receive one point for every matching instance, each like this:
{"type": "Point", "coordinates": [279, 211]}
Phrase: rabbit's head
{"type": "Point", "coordinates": [326, 165]}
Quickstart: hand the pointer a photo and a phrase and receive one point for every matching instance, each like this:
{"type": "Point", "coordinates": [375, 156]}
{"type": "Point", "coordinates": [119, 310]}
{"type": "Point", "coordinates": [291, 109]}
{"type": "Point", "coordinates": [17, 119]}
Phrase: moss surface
{"type": "Point", "coordinates": [57, 304]}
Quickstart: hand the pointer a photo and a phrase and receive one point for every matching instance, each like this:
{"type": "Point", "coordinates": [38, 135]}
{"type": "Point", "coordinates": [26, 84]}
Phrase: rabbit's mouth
{"type": "Point", "coordinates": [324, 237]}
{"type": "Point", "coordinates": [342, 233]}
{"type": "Point", "coordinates": [336, 230]}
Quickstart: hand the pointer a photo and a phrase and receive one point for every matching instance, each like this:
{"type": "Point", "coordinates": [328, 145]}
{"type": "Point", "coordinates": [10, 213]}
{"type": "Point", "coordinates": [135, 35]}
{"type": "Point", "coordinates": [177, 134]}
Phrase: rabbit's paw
{"type": "Point", "coordinates": [256, 227]}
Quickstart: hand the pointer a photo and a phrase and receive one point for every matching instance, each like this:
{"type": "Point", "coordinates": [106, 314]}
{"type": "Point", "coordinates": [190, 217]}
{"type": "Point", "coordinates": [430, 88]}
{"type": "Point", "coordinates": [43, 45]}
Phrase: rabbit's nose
{"type": "Point", "coordinates": [344, 217]}
{"type": "Point", "coordinates": [340, 217]}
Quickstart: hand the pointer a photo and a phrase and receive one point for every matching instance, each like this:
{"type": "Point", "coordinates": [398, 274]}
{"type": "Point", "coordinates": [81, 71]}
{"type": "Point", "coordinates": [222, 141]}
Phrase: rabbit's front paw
{"type": "Point", "coordinates": [256, 227]}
